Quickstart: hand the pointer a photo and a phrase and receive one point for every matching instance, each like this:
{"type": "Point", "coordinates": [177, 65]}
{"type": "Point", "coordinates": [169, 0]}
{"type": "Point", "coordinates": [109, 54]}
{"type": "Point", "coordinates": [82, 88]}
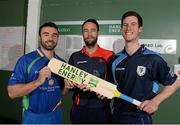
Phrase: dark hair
{"type": "Point", "coordinates": [48, 24]}
{"type": "Point", "coordinates": [132, 13]}
{"type": "Point", "coordinates": [92, 21]}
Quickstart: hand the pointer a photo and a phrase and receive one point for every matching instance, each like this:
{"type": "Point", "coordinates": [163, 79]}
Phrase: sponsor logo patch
{"type": "Point", "coordinates": [80, 62]}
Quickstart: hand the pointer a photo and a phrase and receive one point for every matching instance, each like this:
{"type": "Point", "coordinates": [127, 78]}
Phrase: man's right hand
{"type": "Point", "coordinates": [83, 87]}
{"type": "Point", "coordinates": [44, 73]}
{"type": "Point", "coordinates": [69, 84]}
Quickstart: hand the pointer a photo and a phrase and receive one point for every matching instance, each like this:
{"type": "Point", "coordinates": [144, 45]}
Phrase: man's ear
{"type": "Point", "coordinates": [140, 29]}
{"type": "Point", "coordinates": [98, 33]}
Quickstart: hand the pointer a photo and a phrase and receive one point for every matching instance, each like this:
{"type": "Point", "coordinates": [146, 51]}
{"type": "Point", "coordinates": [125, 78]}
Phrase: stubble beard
{"type": "Point", "coordinates": [48, 47]}
{"type": "Point", "coordinates": [90, 43]}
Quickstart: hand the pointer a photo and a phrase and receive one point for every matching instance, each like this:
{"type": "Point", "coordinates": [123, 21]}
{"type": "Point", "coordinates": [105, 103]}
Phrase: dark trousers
{"type": "Point", "coordinates": [85, 115]}
{"type": "Point", "coordinates": [131, 118]}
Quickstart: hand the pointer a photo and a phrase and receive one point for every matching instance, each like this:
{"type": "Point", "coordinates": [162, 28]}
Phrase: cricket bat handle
{"type": "Point", "coordinates": [126, 98]}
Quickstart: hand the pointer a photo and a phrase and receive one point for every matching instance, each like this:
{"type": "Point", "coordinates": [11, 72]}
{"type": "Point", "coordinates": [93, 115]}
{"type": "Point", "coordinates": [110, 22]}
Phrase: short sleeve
{"type": "Point", "coordinates": [161, 72]}
{"type": "Point", "coordinates": [19, 74]}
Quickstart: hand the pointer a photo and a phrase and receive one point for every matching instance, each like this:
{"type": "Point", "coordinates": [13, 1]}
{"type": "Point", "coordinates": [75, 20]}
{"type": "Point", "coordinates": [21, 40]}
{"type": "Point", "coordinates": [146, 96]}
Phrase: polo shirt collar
{"type": "Point", "coordinates": [41, 53]}
{"type": "Point", "coordinates": [96, 53]}
{"type": "Point", "coordinates": [140, 50]}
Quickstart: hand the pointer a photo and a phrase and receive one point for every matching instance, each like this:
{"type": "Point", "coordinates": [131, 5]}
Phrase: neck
{"type": "Point", "coordinates": [48, 53]}
{"type": "Point", "coordinates": [132, 47]}
{"type": "Point", "coordinates": [91, 49]}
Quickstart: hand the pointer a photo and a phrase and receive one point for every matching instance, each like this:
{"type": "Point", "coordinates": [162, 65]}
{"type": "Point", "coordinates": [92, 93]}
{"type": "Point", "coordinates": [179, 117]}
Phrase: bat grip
{"type": "Point", "coordinates": [130, 99]}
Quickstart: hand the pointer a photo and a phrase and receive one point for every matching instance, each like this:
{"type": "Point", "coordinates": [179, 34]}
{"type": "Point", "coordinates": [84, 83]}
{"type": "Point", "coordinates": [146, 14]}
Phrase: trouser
{"type": "Point", "coordinates": [85, 115]}
{"type": "Point", "coordinates": [54, 117]}
{"type": "Point", "coordinates": [131, 118]}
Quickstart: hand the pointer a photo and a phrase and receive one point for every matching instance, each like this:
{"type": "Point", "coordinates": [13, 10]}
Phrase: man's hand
{"type": "Point", "coordinates": [43, 74]}
{"type": "Point", "coordinates": [149, 106]}
{"type": "Point", "coordinates": [83, 87]}
{"type": "Point", "coordinates": [100, 96]}
{"type": "Point", "coordinates": [69, 84]}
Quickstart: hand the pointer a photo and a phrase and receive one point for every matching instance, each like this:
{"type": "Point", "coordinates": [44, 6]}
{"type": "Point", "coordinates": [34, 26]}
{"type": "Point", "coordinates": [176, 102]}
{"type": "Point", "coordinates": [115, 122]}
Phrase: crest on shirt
{"type": "Point", "coordinates": [101, 61]}
{"type": "Point", "coordinates": [51, 82]}
{"type": "Point", "coordinates": [141, 70]}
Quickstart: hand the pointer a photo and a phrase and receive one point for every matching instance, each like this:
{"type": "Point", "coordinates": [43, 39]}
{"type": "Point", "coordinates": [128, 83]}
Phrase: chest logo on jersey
{"type": "Point", "coordinates": [120, 69]}
{"type": "Point", "coordinates": [141, 70]}
{"type": "Point", "coordinates": [80, 62]}
{"type": "Point", "coordinates": [36, 72]}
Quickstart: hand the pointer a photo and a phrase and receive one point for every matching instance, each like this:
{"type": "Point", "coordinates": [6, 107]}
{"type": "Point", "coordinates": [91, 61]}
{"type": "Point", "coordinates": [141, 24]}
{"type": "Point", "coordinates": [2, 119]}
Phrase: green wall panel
{"type": "Point", "coordinates": [13, 12]}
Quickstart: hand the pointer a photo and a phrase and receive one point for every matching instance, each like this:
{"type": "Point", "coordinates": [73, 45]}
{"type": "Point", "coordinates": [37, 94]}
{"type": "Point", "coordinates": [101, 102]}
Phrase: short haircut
{"type": "Point", "coordinates": [132, 13]}
{"type": "Point", "coordinates": [48, 24]}
{"type": "Point", "coordinates": [92, 21]}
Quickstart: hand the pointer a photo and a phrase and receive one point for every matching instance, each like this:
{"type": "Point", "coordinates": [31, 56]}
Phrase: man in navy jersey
{"type": "Point", "coordinates": [137, 71]}
{"type": "Point", "coordinates": [41, 90]}
{"type": "Point", "coordinates": [87, 107]}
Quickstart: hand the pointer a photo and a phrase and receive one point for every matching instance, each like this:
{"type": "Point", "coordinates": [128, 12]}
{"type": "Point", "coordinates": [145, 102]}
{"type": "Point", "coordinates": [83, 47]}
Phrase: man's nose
{"type": "Point", "coordinates": [50, 37]}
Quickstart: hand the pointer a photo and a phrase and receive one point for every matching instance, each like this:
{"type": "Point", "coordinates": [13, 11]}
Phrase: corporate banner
{"type": "Point", "coordinates": [110, 38]}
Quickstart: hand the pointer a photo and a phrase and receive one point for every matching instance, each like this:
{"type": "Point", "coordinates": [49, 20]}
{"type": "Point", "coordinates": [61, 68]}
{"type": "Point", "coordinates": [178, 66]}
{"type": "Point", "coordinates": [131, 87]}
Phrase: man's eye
{"type": "Point", "coordinates": [124, 24]}
{"type": "Point", "coordinates": [85, 31]}
{"type": "Point", "coordinates": [55, 36]}
{"type": "Point", "coordinates": [46, 35]}
{"type": "Point", "coordinates": [94, 30]}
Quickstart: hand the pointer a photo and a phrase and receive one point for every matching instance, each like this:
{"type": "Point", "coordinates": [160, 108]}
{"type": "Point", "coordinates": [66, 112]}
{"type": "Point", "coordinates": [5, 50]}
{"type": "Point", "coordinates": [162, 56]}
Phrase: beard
{"type": "Point", "coordinates": [91, 42]}
{"type": "Point", "coordinates": [48, 45]}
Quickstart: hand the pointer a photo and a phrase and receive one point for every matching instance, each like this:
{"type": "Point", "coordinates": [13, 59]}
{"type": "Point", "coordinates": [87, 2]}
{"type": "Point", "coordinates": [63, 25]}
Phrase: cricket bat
{"type": "Point", "coordinates": [95, 83]}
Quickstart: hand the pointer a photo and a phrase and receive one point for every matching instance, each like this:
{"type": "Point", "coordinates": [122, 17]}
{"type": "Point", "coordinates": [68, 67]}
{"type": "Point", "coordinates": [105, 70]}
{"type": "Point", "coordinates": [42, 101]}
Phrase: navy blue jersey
{"type": "Point", "coordinates": [95, 64]}
{"type": "Point", "coordinates": [44, 98]}
{"type": "Point", "coordinates": [138, 75]}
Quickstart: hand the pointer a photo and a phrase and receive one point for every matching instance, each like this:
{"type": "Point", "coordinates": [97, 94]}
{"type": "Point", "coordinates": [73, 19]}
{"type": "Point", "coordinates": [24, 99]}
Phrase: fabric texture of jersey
{"type": "Point", "coordinates": [55, 117]}
{"type": "Point", "coordinates": [137, 75]}
{"type": "Point", "coordinates": [44, 98]}
{"type": "Point", "coordinates": [96, 64]}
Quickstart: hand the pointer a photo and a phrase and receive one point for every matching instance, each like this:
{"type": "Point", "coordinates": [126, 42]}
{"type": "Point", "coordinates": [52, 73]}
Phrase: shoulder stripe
{"type": "Point", "coordinates": [32, 63]}
{"type": "Point", "coordinates": [147, 51]}
{"type": "Point", "coordinates": [121, 56]}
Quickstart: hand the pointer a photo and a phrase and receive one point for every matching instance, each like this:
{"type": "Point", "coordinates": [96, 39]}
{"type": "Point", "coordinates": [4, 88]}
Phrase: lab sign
{"type": "Point", "coordinates": [163, 46]}
{"type": "Point", "coordinates": [177, 70]}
